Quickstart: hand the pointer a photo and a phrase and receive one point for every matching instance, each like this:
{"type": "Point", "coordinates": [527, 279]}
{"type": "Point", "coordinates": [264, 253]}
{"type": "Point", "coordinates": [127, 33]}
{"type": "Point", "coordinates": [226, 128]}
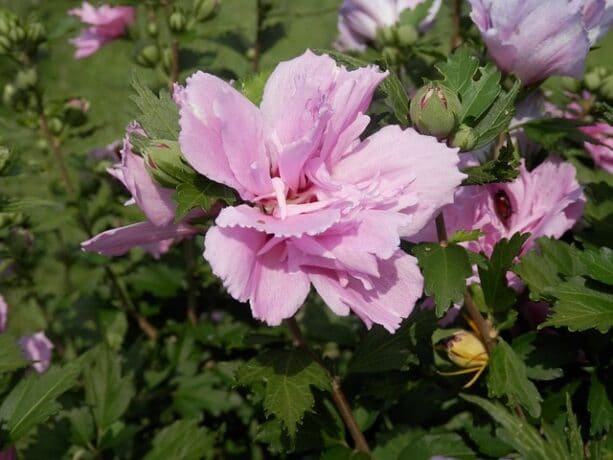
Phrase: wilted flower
{"type": "Point", "coordinates": [539, 38]}
{"type": "Point", "coordinates": [322, 207]}
{"type": "Point", "coordinates": [547, 201]}
{"type": "Point", "coordinates": [157, 234]}
{"type": "Point", "coordinates": [37, 348]}
{"type": "Point", "coordinates": [106, 24]}
{"type": "Point", "coordinates": [360, 20]}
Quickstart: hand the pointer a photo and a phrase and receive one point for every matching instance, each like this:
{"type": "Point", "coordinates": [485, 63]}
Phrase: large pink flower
{"type": "Point", "coordinates": [547, 201]}
{"type": "Point", "coordinates": [106, 24]}
{"type": "Point", "coordinates": [157, 234]}
{"type": "Point", "coordinates": [321, 206]}
{"type": "Point", "coordinates": [539, 38]}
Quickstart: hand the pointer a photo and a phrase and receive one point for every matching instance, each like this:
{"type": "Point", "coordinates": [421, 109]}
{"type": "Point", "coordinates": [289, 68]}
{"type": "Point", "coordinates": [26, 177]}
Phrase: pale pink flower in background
{"type": "Point", "coordinates": [602, 153]}
{"type": "Point", "coordinates": [359, 20]}
{"type": "Point", "coordinates": [158, 233]}
{"type": "Point", "coordinates": [37, 348]}
{"type": "Point", "coordinates": [322, 207]}
{"type": "Point", "coordinates": [106, 23]}
{"type": "Point", "coordinates": [4, 312]}
{"type": "Point", "coordinates": [538, 38]}
{"type": "Point", "coordinates": [547, 201]}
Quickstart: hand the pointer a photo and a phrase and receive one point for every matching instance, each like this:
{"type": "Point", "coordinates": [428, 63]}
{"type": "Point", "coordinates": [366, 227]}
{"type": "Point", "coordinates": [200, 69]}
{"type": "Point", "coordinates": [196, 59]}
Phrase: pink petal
{"type": "Point", "coordinates": [248, 217]}
{"type": "Point", "coordinates": [37, 348]}
{"type": "Point", "coordinates": [118, 241]}
{"type": "Point", "coordinates": [4, 312]}
{"type": "Point", "coordinates": [222, 135]}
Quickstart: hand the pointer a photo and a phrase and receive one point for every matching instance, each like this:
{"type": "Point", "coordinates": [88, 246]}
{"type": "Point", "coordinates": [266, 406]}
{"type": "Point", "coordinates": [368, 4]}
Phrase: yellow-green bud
{"type": "Point", "coordinates": [251, 53]}
{"type": "Point", "coordinates": [606, 89]}
{"type": "Point", "coordinates": [8, 94]}
{"type": "Point", "coordinates": [152, 29]}
{"type": "Point", "coordinates": [55, 125]}
{"type": "Point", "coordinates": [386, 35]}
{"type": "Point", "coordinates": [5, 44]}
{"type": "Point", "coordinates": [466, 350]}
{"type": "Point", "coordinates": [390, 54]}
{"type": "Point", "coordinates": [203, 9]}
{"type": "Point", "coordinates": [17, 34]}
{"type": "Point", "coordinates": [177, 21]}
{"type": "Point", "coordinates": [435, 111]}
{"type": "Point", "coordinates": [570, 84]}
{"type": "Point", "coordinates": [5, 24]}
{"type": "Point", "coordinates": [26, 78]}
{"type": "Point", "coordinates": [407, 35]}
{"type": "Point", "coordinates": [35, 32]}
{"type": "Point", "coordinates": [148, 56]}
{"type": "Point", "coordinates": [465, 138]}
{"type": "Point", "coordinates": [167, 59]}
{"type": "Point", "coordinates": [594, 78]}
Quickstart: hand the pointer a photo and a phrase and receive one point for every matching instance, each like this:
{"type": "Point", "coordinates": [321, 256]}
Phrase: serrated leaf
{"type": "Point", "coordinates": [106, 391]}
{"type": "Point", "coordinates": [542, 356]}
{"type": "Point", "coordinates": [448, 445]}
{"type": "Point", "coordinates": [574, 433]}
{"type": "Point", "coordinates": [34, 400]}
{"type": "Point", "coordinates": [159, 116]}
{"type": "Point", "coordinates": [498, 296]}
{"type": "Point", "coordinates": [445, 269]}
{"type": "Point", "coordinates": [600, 407]}
{"type": "Point", "coordinates": [26, 204]}
{"type": "Point", "coordinates": [579, 307]}
{"type": "Point", "coordinates": [184, 440]}
{"type": "Point", "coordinates": [393, 92]}
{"type": "Point", "coordinates": [504, 168]}
{"type": "Point", "coordinates": [11, 355]}
{"type": "Point", "coordinates": [459, 69]}
{"type": "Point", "coordinates": [287, 376]}
{"type": "Point", "coordinates": [481, 93]}
{"type": "Point", "coordinates": [381, 351]}
{"type": "Point", "coordinates": [507, 377]}
{"type": "Point", "coordinates": [515, 431]}
{"type": "Point", "coordinates": [253, 85]}
{"type": "Point", "coordinates": [599, 264]}
{"type": "Point", "coordinates": [200, 193]}
{"type": "Point", "coordinates": [498, 117]}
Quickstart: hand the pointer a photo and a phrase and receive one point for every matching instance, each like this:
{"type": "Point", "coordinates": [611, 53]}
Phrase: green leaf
{"type": "Point", "coordinates": [599, 264]}
{"type": "Point", "coordinates": [34, 399]}
{"type": "Point", "coordinates": [393, 92]}
{"type": "Point", "coordinates": [184, 440]}
{"type": "Point", "coordinates": [462, 236]}
{"type": "Point", "coordinates": [508, 377]}
{"type": "Point", "coordinates": [414, 16]}
{"type": "Point", "coordinates": [81, 425]}
{"type": "Point", "coordinates": [287, 376]}
{"type": "Point", "coordinates": [550, 132]}
{"type": "Point", "coordinates": [428, 446]}
{"type": "Point", "coordinates": [481, 93]}
{"type": "Point", "coordinates": [600, 407]}
{"type": "Point", "coordinates": [253, 85]}
{"type": "Point", "coordinates": [580, 308]}
{"type": "Point", "coordinates": [459, 69]}
{"type": "Point", "coordinates": [498, 117]}
{"type": "Point", "coordinates": [11, 356]}
{"type": "Point", "coordinates": [515, 431]}
{"type": "Point", "coordinates": [445, 269]}
{"type": "Point", "coordinates": [26, 204]}
{"type": "Point", "coordinates": [542, 356]}
{"type": "Point", "coordinates": [574, 433]}
{"type": "Point", "coordinates": [200, 193]}
{"type": "Point", "coordinates": [381, 351]}
{"type": "Point", "coordinates": [498, 296]}
{"type": "Point", "coordinates": [159, 116]}
{"type": "Point", "coordinates": [504, 168]}
{"type": "Point", "coordinates": [106, 391]}
{"type": "Point", "coordinates": [165, 163]}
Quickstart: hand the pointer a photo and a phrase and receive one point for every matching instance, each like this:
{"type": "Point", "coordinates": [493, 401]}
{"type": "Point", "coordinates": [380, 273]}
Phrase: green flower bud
{"type": "Point", "coordinates": [152, 29]}
{"type": "Point", "coordinates": [148, 56]}
{"type": "Point", "coordinates": [465, 138]}
{"type": "Point", "coordinates": [251, 53]}
{"type": "Point", "coordinates": [55, 125]}
{"type": "Point", "coordinates": [5, 24]}
{"type": "Point", "coordinates": [35, 32]}
{"type": "Point", "coordinates": [606, 89]}
{"type": "Point", "coordinates": [5, 45]}
{"type": "Point", "coordinates": [167, 59]}
{"type": "Point", "coordinates": [570, 84]}
{"type": "Point", "coordinates": [203, 9]}
{"type": "Point", "coordinates": [594, 78]}
{"type": "Point", "coordinates": [8, 94]}
{"type": "Point", "coordinates": [435, 110]}
{"type": "Point", "coordinates": [407, 35]}
{"type": "Point", "coordinates": [5, 158]}
{"type": "Point", "coordinates": [17, 34]}
{"type": "Point", "coordinates": [390, 54]}
{"type": "Point", "coordinates": [177, 21]}
{"type": "Point", "coordinates": [26, 79]}
{"type": "Point", "coordinates": [386, 35]}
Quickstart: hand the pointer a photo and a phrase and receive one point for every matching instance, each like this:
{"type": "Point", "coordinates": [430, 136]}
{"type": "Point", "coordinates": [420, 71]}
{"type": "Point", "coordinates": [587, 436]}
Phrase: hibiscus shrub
{"type": "Point", "coordinates": [248, 229]}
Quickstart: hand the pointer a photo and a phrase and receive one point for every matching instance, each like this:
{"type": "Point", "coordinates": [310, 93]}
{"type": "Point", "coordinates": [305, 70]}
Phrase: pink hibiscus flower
{"type": "Point", "coordinates": [106, 24]}
{"type": "Point", "coordinates": [159, 232]}
{"type": "Point", "coordinates": [322, 207]}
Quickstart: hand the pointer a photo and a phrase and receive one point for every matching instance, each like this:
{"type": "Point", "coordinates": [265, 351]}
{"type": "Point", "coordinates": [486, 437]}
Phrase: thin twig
{"type": "Point", "coordinates": [337, 393]}
{"type": "Point", "coordinates": [174, 64]}
{"type": "Point", "coordinates": [456, 38]}
{"type": "Point", "coordinates": [257, 46]}
{"type": "Point", "coordinates": [441, 230]}
{"type": "Point", "coordinates": [192, 295]}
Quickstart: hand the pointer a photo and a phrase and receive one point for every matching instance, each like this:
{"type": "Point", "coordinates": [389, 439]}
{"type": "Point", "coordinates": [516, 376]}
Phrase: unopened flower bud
{"type": "Point", "coordinates": [606, 88]}
{"type": "Point", "coordinates": [35, 32]}
{"type": "Point", "coordinates": [26, 79]}
{"type": "Point", "coordinates": [152, 29]}
{"type": "Point", "coordinates": [435, 110]}
{"type": "Point", "coordinates": [8, 94]}
{"type": "Point", "coordinates": [594, 78]}
{"type": "Point", "coordinates": [407, 35]}
{"type": "Point", "coordinates": [167, 59]}
{"type": "Point", "coordinates": [466, 350]}
{"type": "Point", "coordinates": [5, 24]}
{"type": "Point", "coordinates": [177, 21]}
{"type": "Point", "coordinates": [465, 138]}
{"type": "Point", "coordinates": [148, 56]}
{"type": "Point", "coordinates": [390, 54]}
{"type": "Point", "coordinates": [202, 9]}
{"type": "Point", "coordinates": [75, 110]}
{"type": "Point", "coordinates": [55, 125]}
{"type": "Point", "coordinates": [386, 35]}
{"type": "Point", "coordinates": [5, 45]}
{"type": "Point", "coordinates": [251, 53]}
